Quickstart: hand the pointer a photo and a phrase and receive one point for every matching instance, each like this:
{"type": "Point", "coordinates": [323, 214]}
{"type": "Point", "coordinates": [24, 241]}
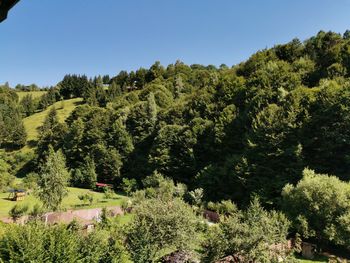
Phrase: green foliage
{"type": "Point", "coordinates": [85, 176]}
{"type": "Point", "coordinates": [73, 86]}
{"type": "Point", "coordinates": [12, 132]}
{"type": "Point", "coordinates": [172, 153]}
{"type": "Point", "coordinates": [86, 198]}
{"type": "Point", "coordinates": [114, 91]}
{"type": "Point", "coordinates": [196, 196]}
{"type": "Point", "coordinates": [6, 179]}
{"type": "Point", "coordinates": [234, 132]}
{"type": "Point", "coordinates": [34, 242]}
{"type": "Point", "coordinates": [49, 98]}
{"type": "Point", "coordinates": [36, 212]}
{"type": "Point", "coordinates": [250, 234]}
{"type": "Point", "coordinates": [28, 105]}
{"type": "Point", "coordinates": [319, 207]}
{"type": "Point", "coordinates": [108, 192]}
{"type": "Point", "coordinates": [225, 207]}
{"type": "Point", "coordinates": [31, 181]}
{"type": "Point", "coordinates": [128, 185]}
{"type": "Point", "coordinates": [53, 180]}
{"type": "Point", "coordinates": [18, 211]}
{"type": "Point", "coordinates": [159, 226]}
{"type": "Point", "coordinates": [50, 134]}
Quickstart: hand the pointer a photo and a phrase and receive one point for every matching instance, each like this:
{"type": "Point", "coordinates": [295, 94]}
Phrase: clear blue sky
{"type": "Point", "coordinates": [42, 40]}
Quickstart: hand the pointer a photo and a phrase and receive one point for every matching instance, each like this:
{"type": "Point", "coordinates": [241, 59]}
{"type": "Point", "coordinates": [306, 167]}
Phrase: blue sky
{"type": "Point", "coordinates": [42, 40]}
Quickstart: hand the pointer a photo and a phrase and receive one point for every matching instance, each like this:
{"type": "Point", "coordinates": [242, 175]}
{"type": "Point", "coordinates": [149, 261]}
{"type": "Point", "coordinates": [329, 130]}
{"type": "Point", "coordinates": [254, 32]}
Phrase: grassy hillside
{"type": "Point", "coordinates": [35, 94]}
{"type": "Point", "coordinates": [33, 122]}
{"type": "Point", "coordinates": [70, 202]}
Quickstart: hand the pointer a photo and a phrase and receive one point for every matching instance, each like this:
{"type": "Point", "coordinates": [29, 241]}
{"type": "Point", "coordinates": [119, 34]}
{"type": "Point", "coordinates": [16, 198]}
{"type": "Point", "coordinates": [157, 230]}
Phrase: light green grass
{"type": "Point", "coordinates": [33, 122]}
{"type": "Point", "coordinates": [70, 202]}
{"type": "Point", "coordinates": [35, 94]}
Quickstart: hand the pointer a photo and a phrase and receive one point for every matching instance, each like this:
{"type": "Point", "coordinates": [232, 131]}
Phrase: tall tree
{"type": "Point", "coordinates": [53, 182]}
{"type": "Point", "coordinates": [50, 133]}
{"type": "Point", "coordinates": [27, 105]}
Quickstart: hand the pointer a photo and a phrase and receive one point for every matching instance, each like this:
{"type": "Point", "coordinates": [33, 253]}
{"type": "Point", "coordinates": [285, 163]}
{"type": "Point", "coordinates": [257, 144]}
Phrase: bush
{"type": "Point", "coordinates": [250, 234]}
{"type": "Point", "coordinates": [161, 225]}
{"type": "Point", "coordinates": [18, 211]}
{"type": "Point", "coordinates": [319, 207]}
{"type": "Point", "coordinates": [86, 198]}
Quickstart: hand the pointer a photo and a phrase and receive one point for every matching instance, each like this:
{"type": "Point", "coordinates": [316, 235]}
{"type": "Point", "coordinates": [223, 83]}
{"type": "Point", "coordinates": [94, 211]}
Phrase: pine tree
{"type": "Point", "coordinates": [89, 172]}
{"type": "Point", "coordinates": [114, 91]}
{"type": "Point", "coordinates": [19, 134]}
{"type": "Point", "coordinates": [50, 133]}
{"type": "Point", "coordinates": [178, 87]}
{"type": "Point", "coordinates": [151, 109]}
{"type": "Point", "coordinates": [27, 105]}
{"type": "Point", "coordinates": [50, 122]}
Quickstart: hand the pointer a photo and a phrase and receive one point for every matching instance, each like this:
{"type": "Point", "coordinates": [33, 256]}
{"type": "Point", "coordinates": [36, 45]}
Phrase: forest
{"type": "Point", "coordinates": [264, 143]}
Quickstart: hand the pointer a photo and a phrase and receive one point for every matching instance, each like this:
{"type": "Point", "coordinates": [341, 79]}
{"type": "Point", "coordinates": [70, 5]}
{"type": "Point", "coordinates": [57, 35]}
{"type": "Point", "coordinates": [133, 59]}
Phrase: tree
{"type": "Point", "coordinates": [319, 207]}
{"type": "Point", "coordinates": [106, 79]}
{"type": "Point", "coordinates": [114, 91]}
{"type": "Point", "coordinates": [179, 86]}
{"type": "Point", "coordinates": [108, 164]}
{"type": "Point", "coordinates": [89, 173]}
{"type": "Point", "coordinates": [27, 105]}
{"type": "Point", "coordinates": [73, 86]}
{"type": "Point", "coordinates": [6, 179]}
{"type": "Point", "coordinates": [53, 182]}
{"type": "Point", "coordinates": [120, 138]}
{"type": "Point", "coordinates": [161, 225]}
{"type": "Point", "coordinates": [18, 133]}
{"type": "Point", "coordinates": [12, 131]}
{"type": "Point", "coordinates": [250, 234]}
{"type": "Point", "coordinates": [50, 133]}
{"type": "Point", "coordinates": [128, 185]}
{"type": "Point", "coordinates": [151, 108]}
{"type": "Point", "coordinates": [172, 153]}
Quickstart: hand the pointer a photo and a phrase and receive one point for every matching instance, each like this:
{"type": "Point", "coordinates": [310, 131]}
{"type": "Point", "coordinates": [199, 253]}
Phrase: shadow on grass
{"type": "Point", "coordinates": [32, 143]}
{"type": "Point", "coordinates": [81, 205]}
{"type": "Point", "coordinates": [317, 258]}
{"type": "Point", "coordinates": [77, 103]}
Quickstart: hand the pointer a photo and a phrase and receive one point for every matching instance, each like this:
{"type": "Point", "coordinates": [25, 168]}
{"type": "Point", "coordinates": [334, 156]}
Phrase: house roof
{"type": "Point", "coordinates": [103, 185]}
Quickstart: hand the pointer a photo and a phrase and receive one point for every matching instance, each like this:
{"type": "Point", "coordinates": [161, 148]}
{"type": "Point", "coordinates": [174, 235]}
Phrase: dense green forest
{"type": "Point", "coordinates": [271, 133]}
{"type": "Point", "coordinates": [234, 132]}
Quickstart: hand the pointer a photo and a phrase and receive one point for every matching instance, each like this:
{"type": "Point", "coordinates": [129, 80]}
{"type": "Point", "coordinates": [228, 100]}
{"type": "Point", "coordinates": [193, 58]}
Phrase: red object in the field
{"type": "Point", "coordinates": [103, 185]}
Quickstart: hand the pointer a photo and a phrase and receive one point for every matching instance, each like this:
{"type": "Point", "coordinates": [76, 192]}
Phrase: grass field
{"type": "Point", "coordinates": [70, 202]}
{"type": "Point", "coordinates": [35, 94]}
{"type": "Point", "coordinates": [33, 122]}
{"type": "Point", "coordinates": [318, 259]}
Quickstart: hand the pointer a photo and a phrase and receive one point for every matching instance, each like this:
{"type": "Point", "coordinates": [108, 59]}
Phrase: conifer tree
{"type": "Point", "coordinates": [151, 109]}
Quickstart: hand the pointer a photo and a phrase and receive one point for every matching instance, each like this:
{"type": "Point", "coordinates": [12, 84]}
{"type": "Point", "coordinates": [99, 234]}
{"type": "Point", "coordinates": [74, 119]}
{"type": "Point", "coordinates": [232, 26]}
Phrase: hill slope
{"type": "Point", "coordinates": [35, 94]}
{"type": "Point", "coordinates": [33, 122]}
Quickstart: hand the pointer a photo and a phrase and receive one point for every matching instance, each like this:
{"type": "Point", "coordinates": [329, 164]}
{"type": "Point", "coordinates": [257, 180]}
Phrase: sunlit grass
{"type": "Point", "coordinates": [317, 259]}
{"type": "Point", "coordinates": [70, 202]}
{"type": "Point", "coordinates": [33, 122]}
{"type": "Point", "coordinates": [35, 94]}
